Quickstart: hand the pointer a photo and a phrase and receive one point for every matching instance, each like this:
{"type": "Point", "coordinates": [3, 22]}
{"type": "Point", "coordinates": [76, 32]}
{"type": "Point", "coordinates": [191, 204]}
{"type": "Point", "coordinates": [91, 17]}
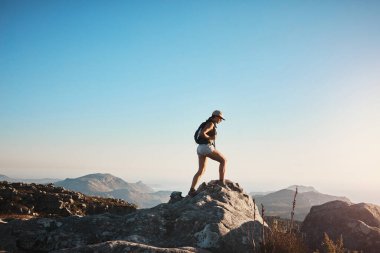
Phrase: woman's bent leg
{"type": "Point", "coordinates": [217, 156]}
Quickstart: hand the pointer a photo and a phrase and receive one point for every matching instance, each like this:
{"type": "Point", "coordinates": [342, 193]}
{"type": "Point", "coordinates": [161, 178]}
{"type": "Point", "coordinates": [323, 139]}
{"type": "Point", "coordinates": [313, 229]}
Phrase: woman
{"type": "Point", "coordinates": [207, 136]}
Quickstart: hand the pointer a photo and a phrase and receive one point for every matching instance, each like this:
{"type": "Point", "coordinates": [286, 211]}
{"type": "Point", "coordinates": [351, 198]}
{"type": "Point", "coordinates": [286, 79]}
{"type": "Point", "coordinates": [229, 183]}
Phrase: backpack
{"type": "Point", "coordinates": [198, 139]}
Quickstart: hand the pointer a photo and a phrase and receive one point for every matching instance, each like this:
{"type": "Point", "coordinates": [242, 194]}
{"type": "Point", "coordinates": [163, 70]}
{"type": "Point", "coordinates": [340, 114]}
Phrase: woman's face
{"type": "Point", "coordinates": [218, 119]}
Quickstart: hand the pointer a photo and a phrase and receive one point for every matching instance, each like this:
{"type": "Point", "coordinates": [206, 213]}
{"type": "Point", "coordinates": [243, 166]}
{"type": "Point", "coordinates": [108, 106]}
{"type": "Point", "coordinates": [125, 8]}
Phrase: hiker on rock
{"type": "Point", "coordinates": [205, 137]}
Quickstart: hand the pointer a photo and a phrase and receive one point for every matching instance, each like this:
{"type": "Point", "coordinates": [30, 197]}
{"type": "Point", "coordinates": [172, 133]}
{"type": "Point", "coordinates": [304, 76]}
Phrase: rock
{"type": "Point", "coordinates": [125, 246]}
{"type": "Point", "coordinates": [359, 224]}
{"type": "Point", "coordinates": [219, 219]}
{"type": "Point", "coordinates": [65, 212]}
{"type": "Point", "coordinates": [175, 197]}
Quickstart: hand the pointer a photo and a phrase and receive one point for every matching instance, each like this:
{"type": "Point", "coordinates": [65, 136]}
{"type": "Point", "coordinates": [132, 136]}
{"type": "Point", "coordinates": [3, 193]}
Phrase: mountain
{"type": "Point", "coordinates": [5, 178]}
{"type": "Point", "coordinates": [300, 188]}
{"type": "Point", "coordinates": [24, 180]}
{"type": "Point", "coordinates": [358, 224]}
{"type": "Point", "coordinates": [280, 203]}
{"type": "Point", "coordinates": [98, 183]}
{"type": "Point", "coordinates": [107, 185]}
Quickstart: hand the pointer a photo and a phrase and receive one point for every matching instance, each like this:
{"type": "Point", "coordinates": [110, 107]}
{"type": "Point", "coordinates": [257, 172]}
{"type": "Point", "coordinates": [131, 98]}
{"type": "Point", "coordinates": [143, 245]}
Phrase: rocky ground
{"type": "Point", "coordinates": [37, 200]}
{"type": "Point", "coordinates": [218, 219]}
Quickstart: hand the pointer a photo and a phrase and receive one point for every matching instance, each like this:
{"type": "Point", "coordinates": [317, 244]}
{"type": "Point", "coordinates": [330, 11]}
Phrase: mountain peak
{"type": "Point", "coordinates": [102, 183]}
{"type": "Point", "coordinates": [280, 202]}
{"type": "Point", "coordinates": [4, 178]}
{"type": "Point", "coordinates": [302, 188]}
{"type": "Point", "coordinates": [94, 183]}
{"type": "Point", "coordinates": [99, 176]}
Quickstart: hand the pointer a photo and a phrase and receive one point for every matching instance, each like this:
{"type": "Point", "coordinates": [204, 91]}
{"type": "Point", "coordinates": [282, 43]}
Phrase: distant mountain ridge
{"type": "Point", "coordinates": [107, 185]}
{"type": "Point", "coordinates": [24, 180]}
{"type": "Point", "coordinates": [279, 203]}
{"type": "Point", "coordinates": [99, 182]}
{"type": "Point", "coordinates": [301, 189]}
{"type": "Point", "coordinates": [5, 178]}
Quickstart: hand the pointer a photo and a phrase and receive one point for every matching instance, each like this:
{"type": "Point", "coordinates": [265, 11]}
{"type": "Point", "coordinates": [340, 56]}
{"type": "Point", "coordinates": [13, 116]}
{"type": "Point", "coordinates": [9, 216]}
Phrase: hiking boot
{"type": "Point", "coordinates": [192, 193]}
{"type": "Point", "coordinates": [221, 183]}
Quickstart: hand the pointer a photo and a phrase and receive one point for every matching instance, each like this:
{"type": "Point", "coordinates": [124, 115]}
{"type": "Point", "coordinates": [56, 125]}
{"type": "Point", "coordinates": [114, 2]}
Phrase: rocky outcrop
{"type": "Point", "coordinates": [47, 201]}
{"type": "Point", "coordinates": [219, 218]}
{"type": "Point", "coordinates": [359, 225]}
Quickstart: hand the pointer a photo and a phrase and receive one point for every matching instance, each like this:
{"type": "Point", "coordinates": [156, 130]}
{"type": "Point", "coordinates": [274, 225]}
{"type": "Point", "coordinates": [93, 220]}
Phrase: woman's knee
{"type": "Point", "coordinates": [217, 156]}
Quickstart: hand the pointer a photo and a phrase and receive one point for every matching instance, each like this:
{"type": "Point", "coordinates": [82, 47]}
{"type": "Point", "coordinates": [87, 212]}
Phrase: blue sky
{"type": "Point", "coordinates": [120, 88]}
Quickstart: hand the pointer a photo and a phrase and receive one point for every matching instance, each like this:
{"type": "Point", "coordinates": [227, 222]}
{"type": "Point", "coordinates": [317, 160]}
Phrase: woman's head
{"type": "Point", "coordinates": [217, 116]}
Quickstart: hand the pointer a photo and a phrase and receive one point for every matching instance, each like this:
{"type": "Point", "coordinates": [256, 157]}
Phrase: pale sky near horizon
{"type": "Point", "coordinates": [121, 87]}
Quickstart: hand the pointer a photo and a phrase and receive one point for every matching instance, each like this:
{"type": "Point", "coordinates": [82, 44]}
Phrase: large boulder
{"type": "Point", "coordinates": [359, 225]}
{"type": "Point", "coordinates": [220, 218]}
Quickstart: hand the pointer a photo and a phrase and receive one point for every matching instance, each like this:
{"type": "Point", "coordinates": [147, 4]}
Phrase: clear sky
{"type": "Point", "coordinates": [120, 87]}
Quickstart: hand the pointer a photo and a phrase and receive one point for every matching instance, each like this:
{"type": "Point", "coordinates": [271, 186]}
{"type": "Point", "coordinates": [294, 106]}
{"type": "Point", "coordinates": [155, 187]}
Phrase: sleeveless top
{"type": "Point", "coordinates": [211, 133]}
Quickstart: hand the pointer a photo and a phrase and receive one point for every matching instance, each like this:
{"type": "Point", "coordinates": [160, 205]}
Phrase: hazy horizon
{"type": "Point", "coordinates": [159, 185]}
{"type": "Point", "coordinates": [120, 88]}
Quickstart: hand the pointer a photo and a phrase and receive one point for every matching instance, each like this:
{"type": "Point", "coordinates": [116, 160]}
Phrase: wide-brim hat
{"type": "Point", "coordinates": [218, 113]}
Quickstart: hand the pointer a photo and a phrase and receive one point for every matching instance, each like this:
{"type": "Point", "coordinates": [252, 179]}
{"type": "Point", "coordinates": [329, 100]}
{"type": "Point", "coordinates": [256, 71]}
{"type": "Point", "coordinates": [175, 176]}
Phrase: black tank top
{"type": "Point", "coordinates": [211, 133]}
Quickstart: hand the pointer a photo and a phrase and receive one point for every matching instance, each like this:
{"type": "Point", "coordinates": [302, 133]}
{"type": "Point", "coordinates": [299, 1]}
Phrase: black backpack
{"type": "Point", "coordinates": [198, 139]}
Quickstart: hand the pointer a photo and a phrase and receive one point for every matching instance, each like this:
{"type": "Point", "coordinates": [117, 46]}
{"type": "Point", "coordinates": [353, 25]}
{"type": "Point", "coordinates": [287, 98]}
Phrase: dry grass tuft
{"type": "Point", "coordinates": [279, 242]}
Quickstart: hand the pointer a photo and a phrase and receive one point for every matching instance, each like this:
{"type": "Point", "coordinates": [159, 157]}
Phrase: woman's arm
{"type": "Point", "coordinates": [208, 127]}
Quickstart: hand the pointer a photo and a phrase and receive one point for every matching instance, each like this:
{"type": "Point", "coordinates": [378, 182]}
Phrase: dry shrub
{"type": "Point", "coordinates": [329, 246]}
{"type": "Point", "coordinates": [279, 242]}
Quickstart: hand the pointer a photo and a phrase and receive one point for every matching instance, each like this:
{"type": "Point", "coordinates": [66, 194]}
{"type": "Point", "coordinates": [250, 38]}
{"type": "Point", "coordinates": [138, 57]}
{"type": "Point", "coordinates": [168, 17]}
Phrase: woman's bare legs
{"type": "Point", "coordinates": [201, 169]}
{"type": "Point", "coordinates": [217, 156]}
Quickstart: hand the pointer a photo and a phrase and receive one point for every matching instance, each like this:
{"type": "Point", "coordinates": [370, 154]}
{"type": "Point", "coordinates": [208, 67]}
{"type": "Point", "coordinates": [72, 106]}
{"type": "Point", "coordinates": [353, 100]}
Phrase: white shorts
{"type": "Point", "coordinates": [205, 149]}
